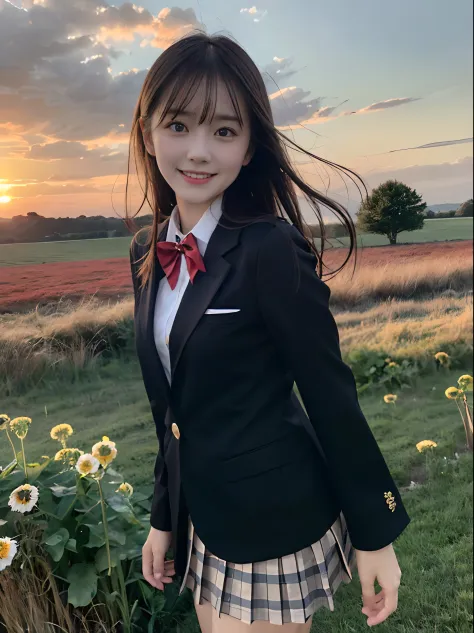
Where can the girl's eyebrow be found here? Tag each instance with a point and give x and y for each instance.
(218, 116)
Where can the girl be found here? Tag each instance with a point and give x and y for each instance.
(267, 508)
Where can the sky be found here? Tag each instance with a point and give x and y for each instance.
(384, 89)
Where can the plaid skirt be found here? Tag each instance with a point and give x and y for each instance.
(286, 589)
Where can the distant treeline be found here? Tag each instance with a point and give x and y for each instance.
(33, 227)
(36, 228)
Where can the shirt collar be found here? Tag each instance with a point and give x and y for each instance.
(202, 231)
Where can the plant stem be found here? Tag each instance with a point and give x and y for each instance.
(466, 428)
(469, 423)
(12, 445)
(106, 531)
(24, 458)
(123, 591)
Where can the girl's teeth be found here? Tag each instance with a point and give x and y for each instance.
(197, 176)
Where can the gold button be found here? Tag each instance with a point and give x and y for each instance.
(175, 430)
(167, 340)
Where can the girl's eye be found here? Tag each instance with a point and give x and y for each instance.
(177, 127)
(222, 132)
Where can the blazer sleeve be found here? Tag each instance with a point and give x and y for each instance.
(294, 303)
(160, 517)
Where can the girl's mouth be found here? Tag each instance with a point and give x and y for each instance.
(196, 177)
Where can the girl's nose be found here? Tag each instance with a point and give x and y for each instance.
(198, 149)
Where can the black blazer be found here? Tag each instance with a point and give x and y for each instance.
(259, 477)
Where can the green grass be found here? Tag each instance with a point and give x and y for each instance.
(445, 229)
(434, 552)
(81, 250)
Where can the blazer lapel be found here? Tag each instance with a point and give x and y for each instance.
(199, 294)
(147, 317)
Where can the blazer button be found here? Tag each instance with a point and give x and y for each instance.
(167, 340)
(175, 430)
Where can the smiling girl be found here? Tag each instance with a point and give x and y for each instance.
(267, 506)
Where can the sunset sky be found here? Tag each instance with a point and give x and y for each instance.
(382, 88)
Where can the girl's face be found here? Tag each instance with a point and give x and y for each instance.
(199, 161)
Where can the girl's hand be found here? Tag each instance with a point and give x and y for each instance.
(156, 570)
(380, 565)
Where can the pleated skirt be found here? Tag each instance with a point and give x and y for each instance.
(286, 589)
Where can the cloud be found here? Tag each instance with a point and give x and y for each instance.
(289, 106)
(256, 14)
(56, 78)
(277, 71)
(293, 119)
(159, 32)
(433, 145)
(292, 108)
(56, 151)
(43, 189)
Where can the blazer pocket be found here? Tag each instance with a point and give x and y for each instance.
(222, 311)
(216, 318)
(291, 448)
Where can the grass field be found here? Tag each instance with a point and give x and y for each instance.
(381, 272)
(405, 302)
(81, 250)
(434, 552)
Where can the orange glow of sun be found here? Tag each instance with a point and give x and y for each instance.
(5, 199)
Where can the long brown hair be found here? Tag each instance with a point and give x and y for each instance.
(267, 185)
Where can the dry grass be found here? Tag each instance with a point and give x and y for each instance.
(409, 329)
(42, 608)
(407, 278)
(60, 336)
(408, 302)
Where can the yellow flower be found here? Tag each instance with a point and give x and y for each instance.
(4, 421)
(70, 455)
(388, 360)
(87, 464)
(104, 451)
(126, 489)
(19, 426)
(452, 393)
(442, 358)
(61, 432)
(8, 550)
(465, 382)
(424, 444)
(23, 498)
(393, 364)
(390, 398)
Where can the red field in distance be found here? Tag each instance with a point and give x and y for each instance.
(23, 287)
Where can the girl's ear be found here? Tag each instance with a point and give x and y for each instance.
(248, 156)
(147, 137)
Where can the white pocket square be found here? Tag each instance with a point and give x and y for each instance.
(221, 310)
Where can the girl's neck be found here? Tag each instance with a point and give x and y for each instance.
(190, 214)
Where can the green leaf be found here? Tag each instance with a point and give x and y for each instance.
(55, 544)
(82, 536)
(35, 470)
(8, 469)
(63, 491)
(71, 545)
(101, 561)
(83, 584)
(122, 506)
(65, 507)
(96, 535)
(117, 537)
(113, 475)
(118, 503)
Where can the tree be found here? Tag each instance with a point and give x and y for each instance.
(465, 210)
(391, 208)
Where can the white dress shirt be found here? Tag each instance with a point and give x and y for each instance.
(168, 300)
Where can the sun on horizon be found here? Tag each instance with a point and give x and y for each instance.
(5, 199)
